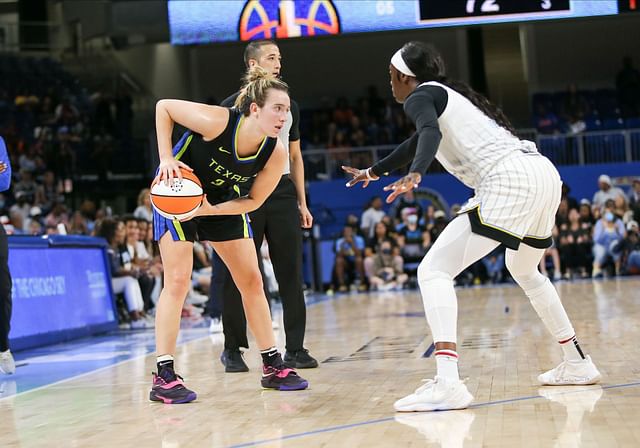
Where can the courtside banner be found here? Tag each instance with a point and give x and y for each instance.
(58, 292)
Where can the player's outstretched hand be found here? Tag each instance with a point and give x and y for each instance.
(365, 176)
(402, 185)
(170, 169)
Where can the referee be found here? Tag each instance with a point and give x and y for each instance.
(279, 219)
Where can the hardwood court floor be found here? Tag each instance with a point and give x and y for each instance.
(371, 347)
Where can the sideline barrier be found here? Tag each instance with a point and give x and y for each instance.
(61, 289)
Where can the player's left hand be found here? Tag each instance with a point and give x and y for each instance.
(402, 185)
(359, 176)
(306, 218)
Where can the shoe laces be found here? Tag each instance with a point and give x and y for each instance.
(431, 383)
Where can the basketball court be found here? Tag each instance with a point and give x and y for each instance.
(374, 348)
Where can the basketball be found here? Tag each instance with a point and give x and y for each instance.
(180, 200)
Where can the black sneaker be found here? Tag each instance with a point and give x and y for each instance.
(169, 388)
(278, 376)
(232, 361)
(300, 359)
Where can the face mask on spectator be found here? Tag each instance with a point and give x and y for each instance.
(412, 219)
(386, 251)
(609, 216)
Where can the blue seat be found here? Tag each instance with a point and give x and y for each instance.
(613, 123)
(632, 123)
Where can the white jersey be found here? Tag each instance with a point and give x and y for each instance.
(284, 138)
(472, 143)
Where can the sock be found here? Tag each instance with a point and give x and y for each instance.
(447, 364)
(164, 362)
(571, 349)
(269, 356)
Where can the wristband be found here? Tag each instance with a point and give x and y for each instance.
(368, 174)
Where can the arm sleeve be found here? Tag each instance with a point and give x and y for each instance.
(5, 177)
(420, 107)
(229, 101)
(400, 157)
(294, 132)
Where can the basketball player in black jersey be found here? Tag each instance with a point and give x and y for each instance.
(279, 220)
(228, 147)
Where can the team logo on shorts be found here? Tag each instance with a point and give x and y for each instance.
(269, 19)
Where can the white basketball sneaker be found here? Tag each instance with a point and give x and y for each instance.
(580, 373)
(7, 364)
(438, 394)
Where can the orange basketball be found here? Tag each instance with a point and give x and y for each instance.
(180, 200)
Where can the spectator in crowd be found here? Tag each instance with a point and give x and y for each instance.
(78, 224)
(494, 264)
(574, 246)
(608, 231)
(634, 199)
(408, 200)
(553, 254)
(586, 216)
(546, 121)
(575, 108)
(387, 270)
(48, 193)
(629, 250)
(620, 208)
(124, 277)
(628, 86)
(414, 241)
(143, 210)
(381, 234)
(372, 216)
(606, 191)
(58, 215)
(137, 255)
(439, 223)
(349, 251)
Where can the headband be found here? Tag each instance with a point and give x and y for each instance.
(400, 65)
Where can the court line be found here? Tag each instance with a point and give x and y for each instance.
(390, 419)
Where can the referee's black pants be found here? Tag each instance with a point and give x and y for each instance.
(5, 291)
(279, 221)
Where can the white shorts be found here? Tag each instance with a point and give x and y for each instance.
(517, 201)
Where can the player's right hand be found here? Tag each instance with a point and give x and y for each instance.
(358, 176)
(170, 169)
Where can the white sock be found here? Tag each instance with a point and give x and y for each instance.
(447, 364)
(571, 349)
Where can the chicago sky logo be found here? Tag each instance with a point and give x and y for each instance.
(270, 19)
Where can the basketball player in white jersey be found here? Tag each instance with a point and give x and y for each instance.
(517, 193)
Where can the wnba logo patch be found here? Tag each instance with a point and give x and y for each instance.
(269, 19)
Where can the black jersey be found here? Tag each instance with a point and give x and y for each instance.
(217, 164)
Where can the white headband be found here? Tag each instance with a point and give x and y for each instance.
(399, 64)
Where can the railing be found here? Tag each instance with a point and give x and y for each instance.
(562, 149)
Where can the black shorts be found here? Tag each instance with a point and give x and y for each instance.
(204, 228)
